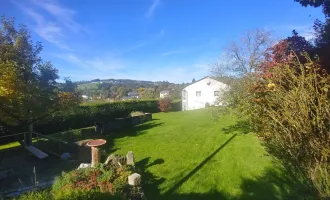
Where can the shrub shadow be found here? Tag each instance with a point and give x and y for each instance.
(242, 127)
(272, 185)
(150, 182)
(276, 185)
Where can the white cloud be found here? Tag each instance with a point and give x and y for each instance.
(170, 52)
(144, 43)
(308, 35)
(93, 64)
(64, 15)
(135, 47)
(172, 74)
(306, 31)
(54, 28)
(49, 31)
(152, 8)
(111, 67)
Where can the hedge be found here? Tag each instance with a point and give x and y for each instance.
(87, 114)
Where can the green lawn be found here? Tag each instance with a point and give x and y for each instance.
(187, 155)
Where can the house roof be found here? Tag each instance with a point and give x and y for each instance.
(132, 93)
(164, 91)
(201, 80)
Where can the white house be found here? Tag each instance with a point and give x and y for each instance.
(203, 92)
(85, 97)
(164, 93)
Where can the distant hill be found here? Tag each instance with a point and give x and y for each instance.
(93, 84)
(117, 88)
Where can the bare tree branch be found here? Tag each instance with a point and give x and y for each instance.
(245, 56)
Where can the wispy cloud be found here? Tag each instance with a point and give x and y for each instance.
(175, 74)
(54, 28)
(152, 8)
(151, 39)
(113, 67)
(49, 31)
(135, 47)
(64, 15)
(171, 52)
(306, 31)
(96, 63)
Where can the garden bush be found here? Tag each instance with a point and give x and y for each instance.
(40, 195)
(288, 105)
(293, 106)
(165, 104)
(87, 114)
(102, 182)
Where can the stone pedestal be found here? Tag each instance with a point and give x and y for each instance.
(134, 179)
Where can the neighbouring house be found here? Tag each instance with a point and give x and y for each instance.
(85, 97)
(164, 93)
(206, 91)
(133, 95)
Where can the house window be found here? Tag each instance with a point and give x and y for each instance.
(216, 93)
(198, 93)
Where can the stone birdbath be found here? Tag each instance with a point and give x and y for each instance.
(95, 146)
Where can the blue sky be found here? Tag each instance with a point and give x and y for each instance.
(173, 40)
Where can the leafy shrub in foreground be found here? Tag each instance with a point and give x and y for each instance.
(41, 195)
(289, 105)
(102, 182)
(102, 178)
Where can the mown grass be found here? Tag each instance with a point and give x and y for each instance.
(187, 155)
(13, 145)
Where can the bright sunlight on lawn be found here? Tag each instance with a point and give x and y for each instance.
(187, 155)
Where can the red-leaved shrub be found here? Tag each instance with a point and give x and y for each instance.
(165, 104)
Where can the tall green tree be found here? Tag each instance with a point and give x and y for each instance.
(322, 31)
(317, 3)
(28, 88)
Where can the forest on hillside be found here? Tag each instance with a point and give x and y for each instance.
(119, 88)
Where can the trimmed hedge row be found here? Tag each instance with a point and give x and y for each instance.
(87, 114)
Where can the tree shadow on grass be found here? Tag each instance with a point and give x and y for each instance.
(197, 168)
(53, 165)
(137, 130)
(242, 127)
(150, 182)
(128, 132)
(90, 133)
(274, 183)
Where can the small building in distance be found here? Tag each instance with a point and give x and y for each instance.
(164, 93)
(206, 91)
(85, 97)
(133, 95)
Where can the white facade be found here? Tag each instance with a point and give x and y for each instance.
(85, 97)
(203, 92)
(164, 94)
